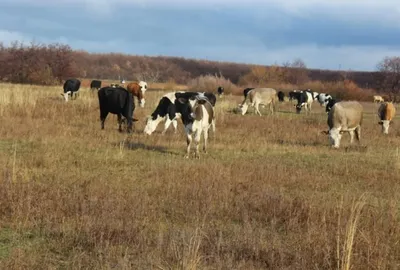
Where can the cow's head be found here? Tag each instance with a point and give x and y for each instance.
(298, 107)
(335, 135)
(143, 86)
(385, 126)
(66, 95)
(151, 124)
(242, 108)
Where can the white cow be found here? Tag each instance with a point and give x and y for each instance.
(345, 116)
(257, 96)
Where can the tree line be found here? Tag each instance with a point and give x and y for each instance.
(52, 63)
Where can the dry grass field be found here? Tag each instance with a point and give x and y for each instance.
(270, 194)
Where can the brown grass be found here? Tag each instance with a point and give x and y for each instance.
(270, 194)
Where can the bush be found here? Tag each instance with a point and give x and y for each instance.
(211, 83)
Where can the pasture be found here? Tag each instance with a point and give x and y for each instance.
(270, 193)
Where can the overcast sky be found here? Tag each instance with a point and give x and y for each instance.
(327, 34)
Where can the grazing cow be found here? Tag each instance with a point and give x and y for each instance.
(138, 89)
(95, 84)
(304, 99)
(323, 99)
(281, 96)
(71, 87)
(119, 101)
(386, 113)
(246, 91)
(197, 115)
(314, 95)
(378, 99)
(166, 110)
(345, 116)
(220, 91)
(330, 103)
(293, 95)
(257, 96)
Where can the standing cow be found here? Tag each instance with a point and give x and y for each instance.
(71, 87)
(166, 110)
(345, 116)
(386, 113)
(257, 96)
(119, 101)
(197, 115)
(95, 84)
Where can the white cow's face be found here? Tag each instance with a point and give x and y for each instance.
(151, 124)
(243, 108)
(385, 126)
(143, 86)
(66, 95)
(334, 137)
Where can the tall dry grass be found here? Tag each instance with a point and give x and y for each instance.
(270, 194)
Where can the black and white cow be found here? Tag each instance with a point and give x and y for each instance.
(71, 87)
(281, 96)
(119, 101)
(95, 84)
(330, 103)
(220, 91)
(197, 113)
(323, 99)
(166, 110)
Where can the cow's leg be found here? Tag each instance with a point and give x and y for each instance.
(358, 133)
(197, 138)
(256, 109)
(213, 125)
(205, 140)
(189, 142)
(103, 116)
(175, 125)
(119, 122)
(351, 136)
(129, 124)
(166, 125)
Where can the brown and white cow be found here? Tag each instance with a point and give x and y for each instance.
(138, 89)
(386, 113)
(257, 96)
(345, 116)
(378, 99)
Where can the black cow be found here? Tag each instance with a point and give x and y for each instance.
(220, 91)
(166, 109)
(71, 87)
(95, 84)
(331, 101)
(246, 91)
(281, 96)
(116, 100)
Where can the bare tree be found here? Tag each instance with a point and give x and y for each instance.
(389, 76)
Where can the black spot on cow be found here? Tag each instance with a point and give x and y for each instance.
(246, 91)
(329, 105)
(116, 100)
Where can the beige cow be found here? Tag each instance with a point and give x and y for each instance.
(386, 113)
(345, 116)
(378, 99)
(257, 96)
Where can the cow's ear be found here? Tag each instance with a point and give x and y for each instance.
(182, 100)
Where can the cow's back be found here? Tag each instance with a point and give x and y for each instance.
(115, 100)
(263, 94)
(347, 114)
